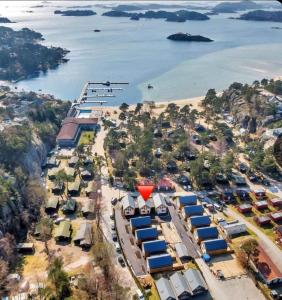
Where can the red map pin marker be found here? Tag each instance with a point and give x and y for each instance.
(145, 191)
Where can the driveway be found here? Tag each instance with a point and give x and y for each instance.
(269, 247)
(242, 288)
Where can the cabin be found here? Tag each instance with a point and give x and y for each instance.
(198, 221)
(262, 220)
(196, 282)
(144, 206)
(52, 162)
(140, 222)
(182, 251)
(259, 193)
(160, 204)
(128, 205)
(205, 233)
(214, 247)
(89, 189)
(63, 231)
(165, 289)
(52, 206)
(153, 247)
(74, 187)
(86, 175)
(189, 199)
(84, 236)
(69, 207)
(261, 205)
(72, 162)
(57, 188)
(70, 172)
(192, 210)
(25, 248)
(179, 286)
(233, 228)
(161, 262)
(47, 230)
(146, 234)
(276, 216)
(242, 194)
(88, 208)
(275, 202)
(245, 208)
(53, 173)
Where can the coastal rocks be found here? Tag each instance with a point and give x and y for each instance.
(262, 15)
(185, 37)
(75, 13)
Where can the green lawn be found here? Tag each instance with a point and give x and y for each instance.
(87, 138)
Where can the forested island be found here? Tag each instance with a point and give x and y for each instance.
(262, 15)
(75, 13)
(186, 37)
(232, 7)
(177, 16)
(22, 56)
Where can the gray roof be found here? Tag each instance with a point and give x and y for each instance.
(195, 280)
(128, 201)
(88, 206)
(165, 289)
(179, 284)
(181, 250)
(141, 202)
(158, 200)
(73, 160)
(84, 234)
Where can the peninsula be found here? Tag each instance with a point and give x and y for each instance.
(22, 56)
(186, 37)
(5, 20)
(262, 15)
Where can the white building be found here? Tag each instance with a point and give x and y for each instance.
(160, 204)
(233, 228)
(144, 206)
(128, 205)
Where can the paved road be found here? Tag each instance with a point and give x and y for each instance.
(192, 248)
(232, 289)
(270, 248)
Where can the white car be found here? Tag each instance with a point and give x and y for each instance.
(140, 295)
(117, 246)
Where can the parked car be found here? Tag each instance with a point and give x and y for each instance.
(112, 216)
(221, 178)
(121, 261)
(114, 201)
(196, 139)
(200, 128)
(243, 168)
(117, 246)
(113, 226)
(59, 220)
(114, 236)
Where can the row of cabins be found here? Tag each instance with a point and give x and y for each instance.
(130, 205)
(260, 205)
(181, 285)
(153, 250)
(199, 224)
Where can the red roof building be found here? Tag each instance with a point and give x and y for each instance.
(71, 128)
(245, 208)
(261, 205)
(276, 202)
(276, 216)
(262, 220)
(259, 193)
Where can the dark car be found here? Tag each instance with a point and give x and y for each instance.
(252, 177)
(196, 139)
(243, 168)
(227, 196)
(221, 178)
(114, 236)
(121, 261)
(242, 194)
(200, 128)
(114, 201)
(171, 166)
(212, 137)
(183, 180)
(190, 155)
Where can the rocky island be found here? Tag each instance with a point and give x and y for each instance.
(177, 16)
(22, 56)
(5, 20)
(232, 7)
(262, 15)
(186, 37)
(75, 13)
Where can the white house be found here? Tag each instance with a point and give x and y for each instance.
(160, 204)
(144, 206)
(128, 205)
